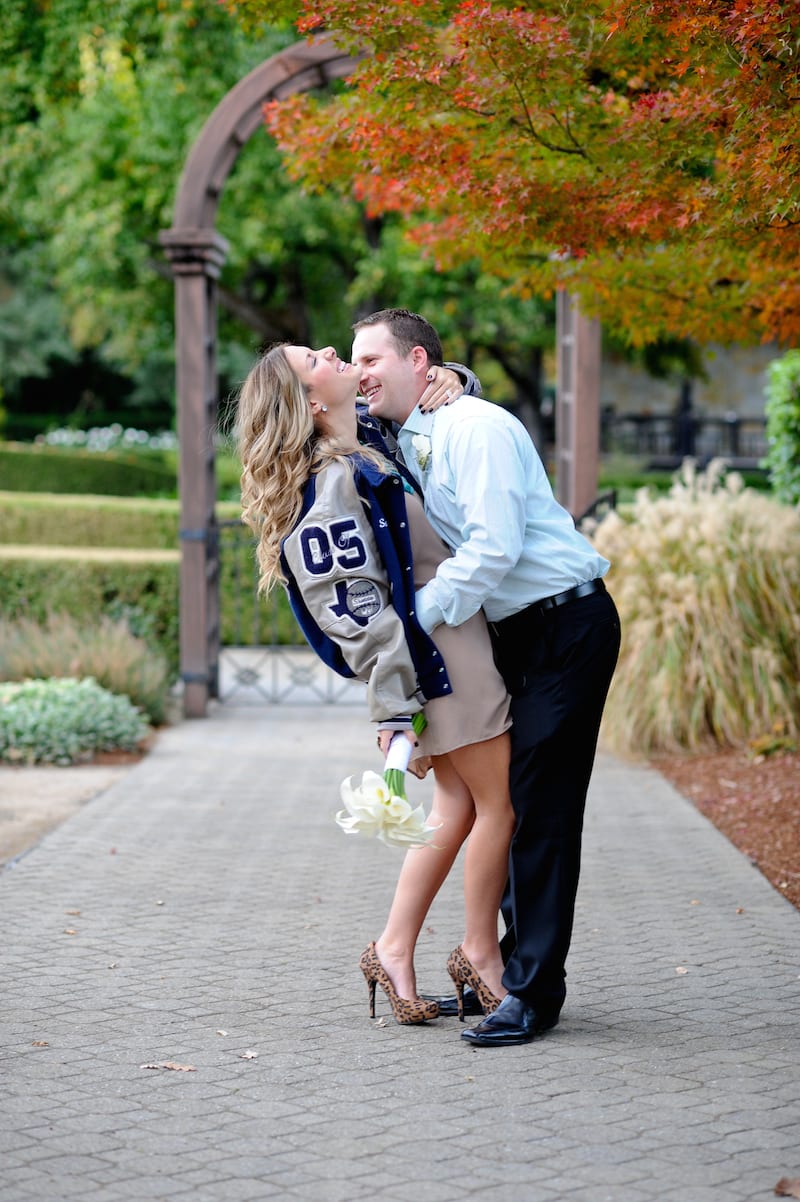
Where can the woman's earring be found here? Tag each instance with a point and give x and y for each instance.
(324, 408)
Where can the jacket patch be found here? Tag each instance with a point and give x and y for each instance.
(359, 600)
(334, 544)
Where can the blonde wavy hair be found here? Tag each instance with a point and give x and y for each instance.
(279, 449)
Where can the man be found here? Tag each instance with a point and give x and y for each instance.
(554, 628)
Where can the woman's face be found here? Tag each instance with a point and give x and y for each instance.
(327, 378)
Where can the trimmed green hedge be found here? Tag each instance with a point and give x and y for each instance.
(141, 586)
(47, 519)
(114, 473)
(133, 472)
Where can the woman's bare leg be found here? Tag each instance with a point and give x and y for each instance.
(471, 797)
(484, 769)
(422, 875)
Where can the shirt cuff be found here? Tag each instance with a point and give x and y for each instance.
(429, 615)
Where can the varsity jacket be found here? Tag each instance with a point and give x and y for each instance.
(349, 578)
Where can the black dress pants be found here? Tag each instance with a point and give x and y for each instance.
(557, 666)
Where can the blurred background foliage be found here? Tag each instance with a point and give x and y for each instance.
(101, 104)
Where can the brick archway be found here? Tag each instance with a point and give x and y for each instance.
(196, 252)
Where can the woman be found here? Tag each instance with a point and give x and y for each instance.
(336, 524)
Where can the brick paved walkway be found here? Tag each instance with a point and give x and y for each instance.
(207, 911)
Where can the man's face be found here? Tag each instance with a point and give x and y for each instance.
(390, 382)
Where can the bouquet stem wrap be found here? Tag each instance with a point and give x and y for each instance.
(396, 764)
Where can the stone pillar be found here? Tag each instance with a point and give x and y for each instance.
(577, 405)
(196, 257)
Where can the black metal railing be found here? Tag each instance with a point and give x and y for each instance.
(674, 437)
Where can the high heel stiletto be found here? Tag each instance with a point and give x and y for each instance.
(463, 973)
(405, 1010)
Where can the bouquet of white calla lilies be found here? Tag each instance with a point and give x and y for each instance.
(379, 807)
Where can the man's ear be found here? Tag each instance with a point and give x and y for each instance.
(419, 358)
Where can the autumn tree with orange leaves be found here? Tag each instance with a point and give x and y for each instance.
(645, 154)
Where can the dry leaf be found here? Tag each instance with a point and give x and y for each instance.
(788, 1187)
(72, 913)
(222, 1032)
(170, 1064)
(70, 931)
(40, 1043)
(248, 1055)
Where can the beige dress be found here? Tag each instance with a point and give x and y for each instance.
(477, 709)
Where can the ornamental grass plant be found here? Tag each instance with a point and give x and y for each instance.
(105, 650)
(707, 582)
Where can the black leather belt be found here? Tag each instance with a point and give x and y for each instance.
(548, 603)
(570, 594)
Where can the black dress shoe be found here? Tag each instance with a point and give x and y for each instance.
(448, 1006)
(514, 1021)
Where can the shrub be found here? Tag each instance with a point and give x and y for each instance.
(109, 438)
(142, 587)
(783, 427)
(36, 582)
(105, 650)
(61, 721)
(707, 581)
(51, 519)
(116, 473)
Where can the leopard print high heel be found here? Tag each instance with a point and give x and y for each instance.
(405, 1010)
(464, 973)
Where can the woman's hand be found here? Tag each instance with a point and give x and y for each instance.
(444, 387)
(385, 737)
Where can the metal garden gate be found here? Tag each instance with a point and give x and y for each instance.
(263, 657)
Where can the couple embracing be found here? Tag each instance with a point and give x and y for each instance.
(487, 613)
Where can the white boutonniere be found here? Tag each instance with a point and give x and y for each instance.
(422, 450)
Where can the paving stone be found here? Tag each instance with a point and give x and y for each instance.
(216, 894)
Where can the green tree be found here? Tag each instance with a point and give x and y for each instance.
(103, 103)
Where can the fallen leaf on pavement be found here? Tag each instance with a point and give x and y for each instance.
(788, 1187)
(178, 1068)
(40, 1043)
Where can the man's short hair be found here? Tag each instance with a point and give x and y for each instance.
(408, 330)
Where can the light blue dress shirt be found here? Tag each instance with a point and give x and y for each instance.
(488, 497)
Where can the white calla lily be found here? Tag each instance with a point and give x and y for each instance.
(373, 809)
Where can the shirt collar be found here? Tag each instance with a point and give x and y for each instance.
(417, 422)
